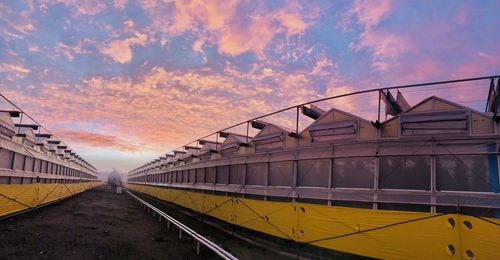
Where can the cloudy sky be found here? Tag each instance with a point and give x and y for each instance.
(122, 82)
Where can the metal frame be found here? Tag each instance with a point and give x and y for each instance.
(297, 107)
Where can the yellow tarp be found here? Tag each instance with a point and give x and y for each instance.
(18, 197)
(375, 233)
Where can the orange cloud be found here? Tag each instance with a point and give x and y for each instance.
(83, 137)
(13, 68)
(255, 38)
(161, 109)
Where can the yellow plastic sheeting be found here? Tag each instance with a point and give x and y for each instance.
(374, 233)
(18, 197)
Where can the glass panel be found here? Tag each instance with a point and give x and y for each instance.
(353, 172)
(29, 164)
(49, 167)
(281, 173)
(192, 175)
(38, 165)
(44, 166)
(200, 175)
(19, 161)
(178, 179)
(185, 176)
(15, 180)
(6, 158)
(464, 173)
(173, 176)
(313, 173)
(236, 175)
(256, 174)
(223, 174)
(405, 172)
(210, 175)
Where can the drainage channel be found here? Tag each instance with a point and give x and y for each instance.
(183, 229)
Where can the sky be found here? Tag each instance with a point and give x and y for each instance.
(122, 82)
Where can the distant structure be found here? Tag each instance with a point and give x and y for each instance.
(422, 184)
(114, 179)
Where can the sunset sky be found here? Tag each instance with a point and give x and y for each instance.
(122, 82)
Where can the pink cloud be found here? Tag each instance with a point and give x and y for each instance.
(370, 12)
(218, 23)
(385, 45)
(19, 24)
(212, 14)
(255, 37)
(120, 4)
(80, 7)
(121, 50)
(70, 51)
(477, 65)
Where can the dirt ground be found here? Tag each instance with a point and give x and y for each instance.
(92, 225)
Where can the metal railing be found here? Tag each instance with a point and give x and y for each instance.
(200, 240)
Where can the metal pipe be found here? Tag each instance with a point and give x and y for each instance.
(297, 125)
(183, 228)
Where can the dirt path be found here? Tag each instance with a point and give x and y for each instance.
(92, 225)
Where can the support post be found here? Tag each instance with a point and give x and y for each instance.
(248, 129)
(492, 88)
(376, 178)
(379, 97)
(433, 178)
(295, 178)
(330, 181)
(297, 125)
(20, 122)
